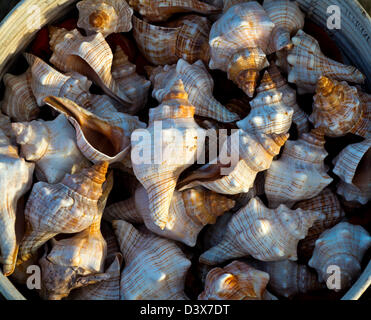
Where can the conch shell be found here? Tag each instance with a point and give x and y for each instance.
(15, 181)
(309, 64)
(238, 41)
(97, 139)
(330, 214)
(337, 109)
(300, 173)
(189, 212)
(342, 246)
(269, 114)
(161, 10)
(197, 83)
(51, 146)
(73, 52)
(19, 102)
(352, 166)
(236, 281)
(106, 17)
(172, 141)
(288, 19)
(67, 207)
(256, 153)
(288, 278)
(155, 268)
(133, 85)
(266, 234)
(186, 38)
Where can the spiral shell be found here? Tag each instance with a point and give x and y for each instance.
(106, 17)
(258, 231)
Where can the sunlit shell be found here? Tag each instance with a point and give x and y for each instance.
(185, 38)
(161, 10)
(155, 268)
(15, 181)
(106, 17)
(341, 247)
(300, 173)
(19, 102)
(266, 234)
(288, 19)
(309, 64)
(197, 83)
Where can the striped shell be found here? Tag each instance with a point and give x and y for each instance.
(266, 234)
(155, 268)
(309, 64)
(46, 143)
(288, 278)
(269, 114)
(172, 136)
(343, 246)
(97, 139)
(185, 38)
(330, 213)
(189, 212)
(69, 206)
(288, 19)
(161, 10)
(238, 41)
(133, 85)
(236, 281)
(15, 181)
(106, 17)
(338, 110)
(255, 154)
(90, 56)
(197, 83)
(300, 173)
(19, 102)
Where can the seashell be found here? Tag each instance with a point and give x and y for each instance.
(162, 10)
(238, 41)
(97, 139)
(288, 278)
(46, 81)
(51, 146)
(104, 290)
(281, 61)
(15, 181)
(236, 281)
(330, 213)
(256, 153)
(186, 38)
(309, 64)
(300, 173)
(288, 97)
(175, 137)
(288, 19)
(106, 17)
(351, 165)
(230, 3)
(155, 268)
(72, 262)
(69, 206)
(134, 86)
(337, 109)
(19, 102)
(72, 52)
(189, 212)
(197, 83)
(214, 233)
(266, 234)
(269, 114)
(343, 246)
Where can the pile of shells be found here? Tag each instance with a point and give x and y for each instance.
(274, 208)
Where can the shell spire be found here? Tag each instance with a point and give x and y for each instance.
(258, 231)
